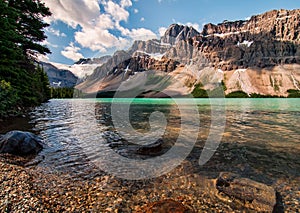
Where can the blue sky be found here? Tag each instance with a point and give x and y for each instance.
(93, 28)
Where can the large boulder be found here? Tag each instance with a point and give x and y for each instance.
(20, 143)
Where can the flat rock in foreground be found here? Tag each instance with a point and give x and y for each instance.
(252, 194)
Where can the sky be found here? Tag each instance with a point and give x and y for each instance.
(94, 28)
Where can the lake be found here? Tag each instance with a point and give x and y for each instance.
(255, 138)
(73, 128)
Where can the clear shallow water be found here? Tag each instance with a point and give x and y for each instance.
(261, 136)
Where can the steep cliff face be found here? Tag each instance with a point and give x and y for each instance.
(259, 55)
(265, 40)
(176, 33)
(59, 77)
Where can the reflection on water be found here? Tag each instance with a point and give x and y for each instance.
(261, 135)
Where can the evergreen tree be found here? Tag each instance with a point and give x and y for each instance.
(30, 25)
(20, 35)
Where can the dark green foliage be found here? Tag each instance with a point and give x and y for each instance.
(217, 92)
(62, 93)
(237, 94)
(293, 93)
(23, 83)
(8, 97)
(78, 94)
(198, 92)
(223, 85)
(30, 25)
(106, 94)
(255, 95)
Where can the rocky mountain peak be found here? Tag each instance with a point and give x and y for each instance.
(259, 55)
(100, 60)
(149, 47)
(176, 33)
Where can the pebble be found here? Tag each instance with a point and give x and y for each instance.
(35, 190)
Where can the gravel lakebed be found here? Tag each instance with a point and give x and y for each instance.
(37, 189)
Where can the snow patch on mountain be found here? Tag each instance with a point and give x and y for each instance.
(245, 43)
(157, 56)
(80, 70)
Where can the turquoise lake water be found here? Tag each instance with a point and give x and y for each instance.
(249, 136)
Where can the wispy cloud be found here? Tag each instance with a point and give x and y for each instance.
(72, 52)
(125, 3)
(47, 43)
(55, 32)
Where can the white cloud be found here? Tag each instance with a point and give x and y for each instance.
(95, 25)
(47, 43)
(142, 34)
(116, 11)
(125, 3)
(72, 12)
(96, 39)
(137, 34)
(72, 52)
(55, 32)
(162, 31)
(142, 19)
(104, 21)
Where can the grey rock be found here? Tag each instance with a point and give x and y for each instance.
(176, 33)
(151, 148)
(100, 60)
(274, 39)
(58, 77)
(20, 143)
(254, 195)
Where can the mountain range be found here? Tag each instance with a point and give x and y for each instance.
(257, 56)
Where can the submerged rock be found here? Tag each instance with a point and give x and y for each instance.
(138, 151)
(151, 148)
(167, 206)
(252, 194)
(20, 143)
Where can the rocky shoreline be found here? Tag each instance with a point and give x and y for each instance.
(35, 189)
(238, 178)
